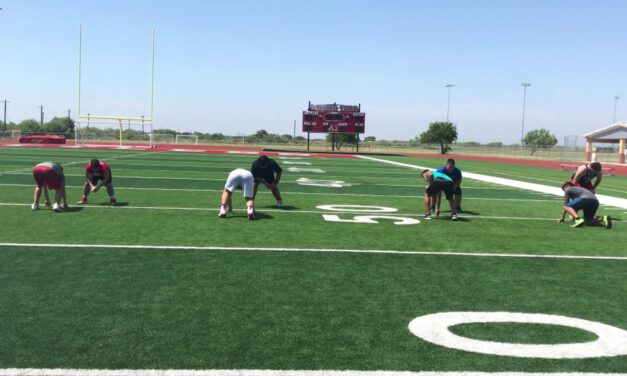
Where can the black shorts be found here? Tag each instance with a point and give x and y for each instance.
(94, 180)
(439, 185)
(268, 179)
(588, 205)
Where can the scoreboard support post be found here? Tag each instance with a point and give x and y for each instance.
(308, 134)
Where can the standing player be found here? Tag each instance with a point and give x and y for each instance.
(584, 175)
(438, 182)
(578, 198)
(49, 175)
(456, 175)
(238, 178)
(98, 174)
(264, 170)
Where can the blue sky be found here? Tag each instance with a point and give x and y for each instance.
(239, 66)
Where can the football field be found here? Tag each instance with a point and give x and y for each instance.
(330, 282)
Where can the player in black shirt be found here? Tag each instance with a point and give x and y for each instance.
(268, 172)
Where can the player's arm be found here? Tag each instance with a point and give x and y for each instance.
(46, 196)
(278, 177)
(597, 181)
(106, 178)
(564, 211)
(88, 177)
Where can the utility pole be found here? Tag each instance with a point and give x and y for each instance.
(68, 114)
(616, 98)
(41, 113)
(525, 85)
(5, 114)
(294, 136)
(448, 106)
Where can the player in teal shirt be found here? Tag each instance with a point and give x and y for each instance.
(438, 182)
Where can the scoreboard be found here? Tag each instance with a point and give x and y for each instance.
(334, 118)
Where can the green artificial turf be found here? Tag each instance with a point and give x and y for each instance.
(113, 308)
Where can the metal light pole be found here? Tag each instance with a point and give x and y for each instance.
(5, 114)
(616, 98)
(41, 113)
(522, 132)
(448, 105)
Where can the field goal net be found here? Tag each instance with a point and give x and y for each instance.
(188, 139)
(13, 134)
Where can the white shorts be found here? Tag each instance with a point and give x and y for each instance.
(240, 178)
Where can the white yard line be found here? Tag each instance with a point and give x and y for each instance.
(268, 210)
(556, 191)
(315, 250)
(267, 372)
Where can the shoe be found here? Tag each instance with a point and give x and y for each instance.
(112, 202)
(35, 206)
(251, 214)
(607, 221)
(427, 217)
(222, 213)
(578, 223)
(454, 217)
(279, 204)
(56, 207)
(83, 200)
(437, 213)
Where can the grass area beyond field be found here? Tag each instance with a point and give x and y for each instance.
(293, 290)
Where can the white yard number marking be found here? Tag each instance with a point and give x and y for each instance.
(322, 183)
(301, 169)
(611, 341)
(371, 219)
(365, 218)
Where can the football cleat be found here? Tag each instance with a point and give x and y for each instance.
(607, 221)
(578, 223)
(222, 213)
(427, 217)
(279, 204)
(251, 214)
(35, 206)
(83, 200)
(112, 202)
(454, 217)
(56, 207)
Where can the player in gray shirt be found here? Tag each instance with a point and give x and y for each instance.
(578, 198)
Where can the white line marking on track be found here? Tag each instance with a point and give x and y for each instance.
(267, 372)
(606, 200)
(320, 250)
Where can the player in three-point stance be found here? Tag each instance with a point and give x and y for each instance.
(238, 178)
(98, 174)
(264, 170)
(49, 175)
(438, 182)
(578, 198)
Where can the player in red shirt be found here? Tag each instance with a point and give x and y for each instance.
(98, 174)
(49, 175)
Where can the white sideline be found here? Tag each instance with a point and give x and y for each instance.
(320, 250)
(267, 372)
(556, 191)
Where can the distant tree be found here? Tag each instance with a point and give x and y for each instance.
(539, 139)
(495, 144)
(29, 126)
(261, 134)
(342, 139)
(440, 132)
(370, 139)
(63, 125)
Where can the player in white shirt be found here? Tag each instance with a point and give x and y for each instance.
(238, 178)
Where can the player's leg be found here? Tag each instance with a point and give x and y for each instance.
(589, 212)
(46, 196)
(448, 192)
(247, 191)
(458, 199)
(36, 196)
(255, 187)
(427, 203)
(438, 199)
(111, 193)
(274, 188)
(572, 207)
(225, 202)
(86, 190)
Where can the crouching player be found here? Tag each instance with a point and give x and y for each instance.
(98, 174)
(49, 175)
(438, 182)
(578, 198)
(238, 178)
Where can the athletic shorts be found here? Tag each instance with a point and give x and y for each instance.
(94, 180)
(439, 185)
(240, 178)
(267, 178)
(45, 175)
(588, 205)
